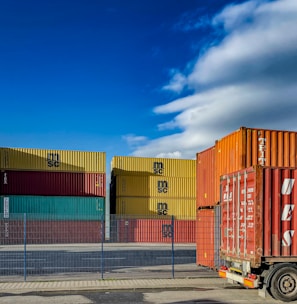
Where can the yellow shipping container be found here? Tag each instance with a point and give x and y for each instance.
(129, 165)
(157, 186)
(52, 160)
(148, 206)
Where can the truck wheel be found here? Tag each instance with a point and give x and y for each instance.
(284, 284)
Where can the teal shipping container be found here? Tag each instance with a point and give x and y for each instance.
(53, 207)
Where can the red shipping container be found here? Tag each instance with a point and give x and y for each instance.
(205, 237)
(258, 222)
(205, 175)
(49, 232)
(52, 183)
(156, 230)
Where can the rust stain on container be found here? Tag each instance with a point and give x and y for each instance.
(258, 206)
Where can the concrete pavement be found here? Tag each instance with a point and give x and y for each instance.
(109, 284)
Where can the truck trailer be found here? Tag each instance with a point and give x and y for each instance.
(258, 244)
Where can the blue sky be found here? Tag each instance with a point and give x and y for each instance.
(154, 78)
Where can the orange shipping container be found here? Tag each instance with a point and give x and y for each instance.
(154, 186)
(129, 165)
(248, 147)
(205, 237)
(205, 177)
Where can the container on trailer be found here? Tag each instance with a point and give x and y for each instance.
(154, 186)
(52, 183)
(205, 166)
(129, 165)
(52, 160)
(53, 207)
(180, 208)
(247, 147)
(258, 222)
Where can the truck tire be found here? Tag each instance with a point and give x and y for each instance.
(284, 284)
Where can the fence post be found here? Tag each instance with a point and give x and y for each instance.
(25, 247)
(102, 247)
(172, 244)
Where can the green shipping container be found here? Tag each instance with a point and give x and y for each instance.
(53, 207)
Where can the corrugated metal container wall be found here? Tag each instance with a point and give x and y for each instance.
(155, 186)
(49, 232)
(52, 183)
(54, 207)
(156, 230)
(52, 160)
(205, 237)
(262, 200)
(129, 165)
(179, 207)
(205, 177)
(248, 147)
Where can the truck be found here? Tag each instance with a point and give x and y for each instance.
(258, 244)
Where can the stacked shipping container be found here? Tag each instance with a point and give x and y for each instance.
(154, 187)
(67, 187)
(238, 150)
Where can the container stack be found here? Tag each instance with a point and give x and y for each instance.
(153, 190)
(238, 150)
(61, 193)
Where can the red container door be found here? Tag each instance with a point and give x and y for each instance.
(258, 206)
(241, 205)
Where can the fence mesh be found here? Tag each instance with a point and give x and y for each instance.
(35, 247)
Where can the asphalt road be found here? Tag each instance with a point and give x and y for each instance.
(208, 295)
(41, 260)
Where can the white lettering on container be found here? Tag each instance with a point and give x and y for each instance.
(287, 212)
(287, 186)
(287, 238)
(262, 149)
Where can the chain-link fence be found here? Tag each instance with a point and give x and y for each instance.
(34, 247)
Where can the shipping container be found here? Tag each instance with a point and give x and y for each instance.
(52, 160)
(180, 208)
(208, 238)
(52, 183)
(205, 237)
(156, 230)
(129, 165)
(12, 231)
(154, 186)
(258, 239)
(247, 147)
(54, 207)
(205, 177)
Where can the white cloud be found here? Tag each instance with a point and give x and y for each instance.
(132, 139)
(248, 79)
(177, 82)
